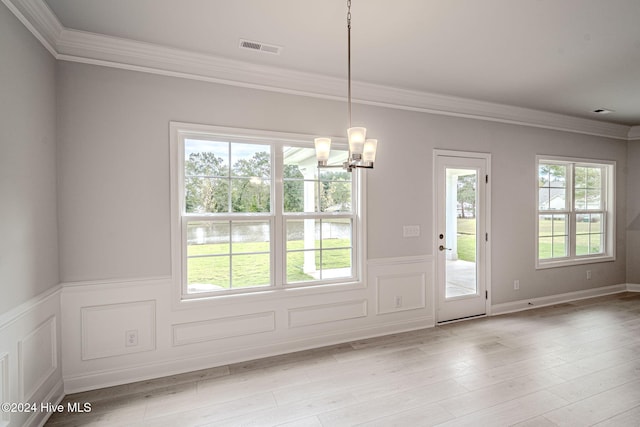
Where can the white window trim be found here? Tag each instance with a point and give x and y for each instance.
(609, 212)
(177, 131)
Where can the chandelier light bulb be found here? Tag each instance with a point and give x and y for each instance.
(323, 148)
(369, 151)
(357, 137)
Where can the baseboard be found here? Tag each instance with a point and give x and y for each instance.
(54, 397)
(113, 377)
(633, 287)
(527, 304)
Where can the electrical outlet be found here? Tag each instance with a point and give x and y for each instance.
(131, 338)
(516, 285)
(588, 274)
(398, 301)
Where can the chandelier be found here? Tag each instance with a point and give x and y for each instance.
(362, 151)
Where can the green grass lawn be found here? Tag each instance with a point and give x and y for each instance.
(467, 239)
(211, 263)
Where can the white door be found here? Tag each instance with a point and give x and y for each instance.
(461, 241)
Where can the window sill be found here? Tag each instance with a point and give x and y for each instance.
(571, 262)
(267, 295)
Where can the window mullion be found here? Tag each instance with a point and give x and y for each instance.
(278, 234)
(572, 210)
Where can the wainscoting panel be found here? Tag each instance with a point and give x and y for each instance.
(227, 327)
(401, 292)
(403, 285)
(4, 386)
(118, 329)
(37, 358)
(326, 313)
(30, 360)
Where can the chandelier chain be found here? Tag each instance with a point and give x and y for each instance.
(349, 56)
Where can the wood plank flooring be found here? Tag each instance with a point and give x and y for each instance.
(575, 364)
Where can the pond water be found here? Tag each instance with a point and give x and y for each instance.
(209, 232)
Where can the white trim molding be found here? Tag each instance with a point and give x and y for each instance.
(634, 133)
(91, 48)
(527, 304)
(633, 287)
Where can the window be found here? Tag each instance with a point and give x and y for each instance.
(253, 212)
(575, 211)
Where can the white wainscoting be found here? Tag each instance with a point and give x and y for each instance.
(204, 335)
(227, 327)
(37, 358)
(4, 387)
(105, 329)
(30, 368)
(326, 313)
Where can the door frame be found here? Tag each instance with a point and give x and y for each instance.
(487, 214)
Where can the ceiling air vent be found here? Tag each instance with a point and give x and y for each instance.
(260, 47)
(602, 111)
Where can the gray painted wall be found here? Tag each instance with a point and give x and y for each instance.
(114, 174)
(28, 219)
(633, 213)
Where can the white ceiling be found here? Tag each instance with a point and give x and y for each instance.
(561, 56)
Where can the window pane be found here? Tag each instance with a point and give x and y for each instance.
(594, 177)
(251, 195)
(589, 232)
(560, 245)
(300, 176)
(250, 236)
(303, 234)
(207, 238)
(308, 188)
(251, 161)
(550, 175)
(251, 270)
(335, 196)
(206, 195)
(580, 201)
(588, 185)
(206, 274)
(545, 225)
(552, 180)
(544, 196)
(560, 226)
(336, 263)
(206, 158)
(296, 266)
(595, 244)
(318, 249)
(336, 233)
(300, 196)
(582, 244)
(594, 200)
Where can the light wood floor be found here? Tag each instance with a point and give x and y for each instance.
(575, 364)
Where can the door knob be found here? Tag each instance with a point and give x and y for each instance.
(442, 248)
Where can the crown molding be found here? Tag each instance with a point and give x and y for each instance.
(90, 48)
(634, 133)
